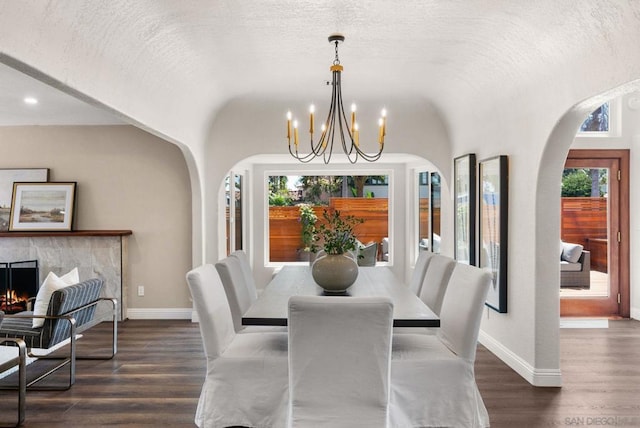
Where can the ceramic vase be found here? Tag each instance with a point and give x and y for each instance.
(335, 273)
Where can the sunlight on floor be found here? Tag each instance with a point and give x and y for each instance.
(599, 287)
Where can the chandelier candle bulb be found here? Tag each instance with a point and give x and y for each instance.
(295, 133)
(381, 131)
(353, 116)
(384, 122)
(289, 126)
(312, 109)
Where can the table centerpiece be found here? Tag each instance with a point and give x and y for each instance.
(336, 268)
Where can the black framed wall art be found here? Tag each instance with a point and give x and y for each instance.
(493, 191)
(464, 191)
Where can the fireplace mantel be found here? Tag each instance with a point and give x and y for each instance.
(96, 253)
(23, 234)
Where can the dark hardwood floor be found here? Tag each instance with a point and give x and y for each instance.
(155, 380)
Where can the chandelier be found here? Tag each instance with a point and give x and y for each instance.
(347, 131)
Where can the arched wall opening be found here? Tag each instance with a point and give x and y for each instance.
(562, 138)
(402, 170)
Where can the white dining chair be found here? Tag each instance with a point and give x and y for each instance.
(415, 284)
(247, 374)
(432, 376)
(240, 294)
(245, 265)
(339, 359)
(435, 281)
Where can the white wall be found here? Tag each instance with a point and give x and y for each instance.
(127, 179)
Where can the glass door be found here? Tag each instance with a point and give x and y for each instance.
(589, 232)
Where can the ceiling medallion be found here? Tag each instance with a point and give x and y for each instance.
(336, 123)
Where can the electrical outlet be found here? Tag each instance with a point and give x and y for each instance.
(140, 290)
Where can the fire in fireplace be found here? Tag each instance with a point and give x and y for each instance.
(18, 283)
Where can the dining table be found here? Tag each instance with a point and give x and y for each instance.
(271, 307)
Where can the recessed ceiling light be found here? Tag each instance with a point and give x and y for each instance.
(30, 100)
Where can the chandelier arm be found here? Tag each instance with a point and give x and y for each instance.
(302, 158)
(342, 117)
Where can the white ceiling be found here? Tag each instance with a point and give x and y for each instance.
(54, 107)
(170, 66)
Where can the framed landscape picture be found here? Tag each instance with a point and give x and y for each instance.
(42, 206)
(493, 208)
(464, 191)
(8, 176)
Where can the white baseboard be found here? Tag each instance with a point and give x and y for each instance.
(159, 313)
(536, 377)
(635, 313)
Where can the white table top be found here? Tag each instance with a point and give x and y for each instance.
(272, 305)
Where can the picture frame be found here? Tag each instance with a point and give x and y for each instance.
(42, 206)
(492, 237)
(464, 203)
(8, 176)
(434, 211)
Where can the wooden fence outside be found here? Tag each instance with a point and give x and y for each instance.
(285, 230)
(583, 218)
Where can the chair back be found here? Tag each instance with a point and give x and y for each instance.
(368, 254)
(210, 303)
(415, 285)
(68, 299)
(339, 361)
(247, 272)
(239, 293)
(462, 307)
(436, 278)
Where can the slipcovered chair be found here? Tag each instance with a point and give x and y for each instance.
(239, 293)
(437, 271)
(415, 284)
(18, 361)
(339, 356)
(435, 281)
(432, 376)
(70, 312)
(246, 270)
(247, 374)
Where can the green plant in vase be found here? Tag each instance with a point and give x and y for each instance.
(336, 234)
(336, 271)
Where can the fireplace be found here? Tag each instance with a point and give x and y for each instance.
(18, 283)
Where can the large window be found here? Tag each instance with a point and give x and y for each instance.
(292, 199)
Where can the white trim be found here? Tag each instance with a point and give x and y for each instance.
(160, 313)
(536, 377)
(635, 313)
(584, 322)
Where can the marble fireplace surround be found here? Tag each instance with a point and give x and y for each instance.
(96, 253)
